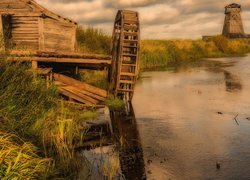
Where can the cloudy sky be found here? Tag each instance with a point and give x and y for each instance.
(160, 19)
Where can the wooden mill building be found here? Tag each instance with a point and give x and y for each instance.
(27, 25)
(34, 34)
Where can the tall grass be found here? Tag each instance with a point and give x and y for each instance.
(92, 40)
(35, 113)
(96, 78)
(20, 160)
(163, 53)
(23, 98)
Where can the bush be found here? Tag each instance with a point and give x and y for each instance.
(114, 103)
(222, 43)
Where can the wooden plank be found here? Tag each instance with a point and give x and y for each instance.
(1, 27)
(94, 96)
(23, 32)
(35, 36)
(16, 40)
(73, 40)
(60, 60)
(53, 54)
(17, 18)
(82, 96)
(81, 91)
(25, 29)
(24, 25)
(73, 96)
(41, 33)
(80, 85)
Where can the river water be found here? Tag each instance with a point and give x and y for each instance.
(188, 123)
(186, 119)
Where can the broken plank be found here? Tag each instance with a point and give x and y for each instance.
(80, 85)
(83, 96)
(73, 96)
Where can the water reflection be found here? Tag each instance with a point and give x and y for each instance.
(128, 142)
(124, 147)
(177, 113)
(232, 82)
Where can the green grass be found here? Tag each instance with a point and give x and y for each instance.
(34, 113)
(115, 103)
(92, 40)
(95, 78)
(20, 160)
(157, 54)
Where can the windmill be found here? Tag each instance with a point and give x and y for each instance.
(233, 26)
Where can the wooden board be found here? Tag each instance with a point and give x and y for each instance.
(60, 60)
(80, 85)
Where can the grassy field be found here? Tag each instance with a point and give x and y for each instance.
(158, 54)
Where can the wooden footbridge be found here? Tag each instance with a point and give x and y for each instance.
(48, 42)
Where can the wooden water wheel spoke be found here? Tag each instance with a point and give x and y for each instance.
(125, 54)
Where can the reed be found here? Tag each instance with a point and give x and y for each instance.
(20, 160)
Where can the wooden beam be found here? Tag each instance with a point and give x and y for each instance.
(52, 54)
(60, 60)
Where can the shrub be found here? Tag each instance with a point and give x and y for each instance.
(222, 43)
(114, 103)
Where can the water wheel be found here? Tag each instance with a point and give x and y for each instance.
(125, 55)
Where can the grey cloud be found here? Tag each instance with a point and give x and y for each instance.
(169, 17)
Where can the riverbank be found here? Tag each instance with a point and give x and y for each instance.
(38, 131)
(158, 54)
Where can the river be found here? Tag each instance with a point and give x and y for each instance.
(189, 123)
(187, 118)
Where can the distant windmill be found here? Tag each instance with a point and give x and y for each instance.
(233, 26)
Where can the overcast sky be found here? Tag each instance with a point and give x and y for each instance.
(162, 19)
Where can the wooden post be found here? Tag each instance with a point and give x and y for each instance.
(34, 65)
(77, 70)
(2, 44)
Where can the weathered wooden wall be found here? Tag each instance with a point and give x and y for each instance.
(35, 28)
(24, 31)
(57, 35)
